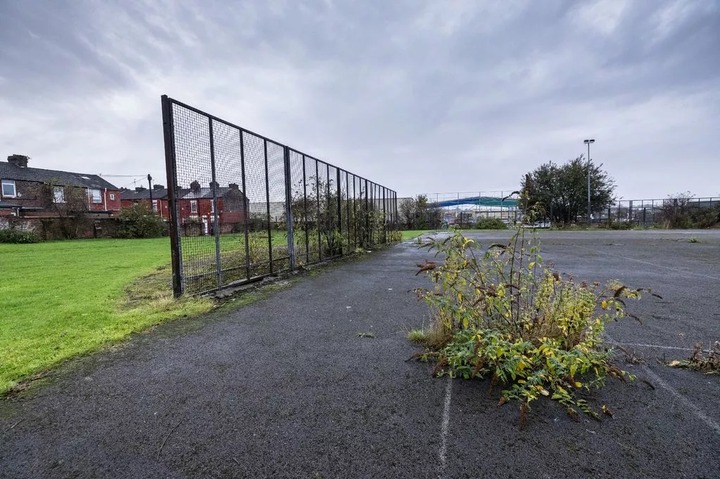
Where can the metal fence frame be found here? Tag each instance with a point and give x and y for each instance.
(653, 212)
(308, 210)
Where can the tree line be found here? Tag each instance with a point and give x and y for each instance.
(559, 193)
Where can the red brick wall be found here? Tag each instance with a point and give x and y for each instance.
(204, 210)
(163, 206)
(107, 202)
(30, 195)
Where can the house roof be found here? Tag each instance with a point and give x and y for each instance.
(144, 194)
(183, 193)
(205, 193)
(10, 171)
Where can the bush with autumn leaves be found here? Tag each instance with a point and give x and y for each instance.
(502, 314)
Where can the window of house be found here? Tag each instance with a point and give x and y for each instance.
(8, 189)
(155, 205)
(96, 196)
(112, 196)
(193, 207)
(212, 207)
(58, 194)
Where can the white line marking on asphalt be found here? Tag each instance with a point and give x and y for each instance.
(445, 427)
(711, 423)
(645, 345)
(686, 402)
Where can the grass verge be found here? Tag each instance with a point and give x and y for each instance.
(64, 299)
(410, 234)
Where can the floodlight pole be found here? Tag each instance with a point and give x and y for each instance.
(589, 214)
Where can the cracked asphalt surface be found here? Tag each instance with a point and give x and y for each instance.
(285, 387)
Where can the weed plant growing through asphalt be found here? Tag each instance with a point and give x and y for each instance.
(502, 314)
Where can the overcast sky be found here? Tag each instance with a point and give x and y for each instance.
(422, 97)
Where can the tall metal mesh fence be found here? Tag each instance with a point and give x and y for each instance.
(681, 212)
(465, 209)
(244, 206)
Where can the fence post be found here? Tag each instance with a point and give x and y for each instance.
(368, 233)
(171, 170)
(288, 209)
(347, 208)
(246, 207)
(339, 205)
(267, 205)
(213, 188)
(609, 216)
(354, 211)
(305, 215)
(395, 215)
(318, 212)
(328, 210)
(385, 220)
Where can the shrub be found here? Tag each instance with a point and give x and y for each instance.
(393, 236)
(507, 317)
(139, 221)
(419, 214)
(490, 224)
(705, 217)
(681, 211)
(621, 225)
(18, 236)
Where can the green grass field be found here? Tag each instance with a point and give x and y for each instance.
(410, 234)
(63, 299)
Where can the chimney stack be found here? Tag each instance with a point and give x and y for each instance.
(21, 161)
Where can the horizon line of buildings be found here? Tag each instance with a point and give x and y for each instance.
(28, 192)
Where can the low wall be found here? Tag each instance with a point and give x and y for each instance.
(57, 228)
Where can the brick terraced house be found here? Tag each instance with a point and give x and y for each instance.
(195, 205)
(37, 192)
(157, 199)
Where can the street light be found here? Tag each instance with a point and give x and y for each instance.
(588, 142)
(150, 186)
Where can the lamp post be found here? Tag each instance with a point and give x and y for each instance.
(588, 142)
(150, 186)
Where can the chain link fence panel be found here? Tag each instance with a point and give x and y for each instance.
(243, 206)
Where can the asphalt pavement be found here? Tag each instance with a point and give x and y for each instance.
(313, 382)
